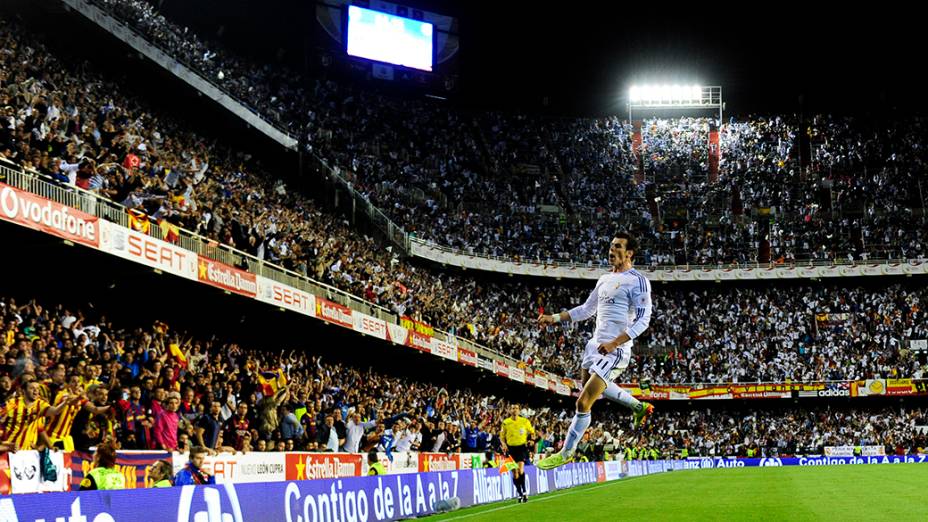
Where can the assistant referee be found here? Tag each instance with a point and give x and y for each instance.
(514, 436)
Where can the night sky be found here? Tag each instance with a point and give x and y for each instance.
(583, 56)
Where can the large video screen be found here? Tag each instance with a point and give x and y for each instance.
(387, 38)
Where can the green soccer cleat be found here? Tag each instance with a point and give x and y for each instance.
(641, 416)
(553, 461)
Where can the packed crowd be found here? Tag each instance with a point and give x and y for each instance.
(765, 433)
(68, 123)
(153, 387)
(546, 189)
(723, 334)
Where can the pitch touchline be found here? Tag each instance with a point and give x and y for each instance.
(545, 498)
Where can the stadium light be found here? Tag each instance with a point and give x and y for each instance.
(675, 96)
(664, 94)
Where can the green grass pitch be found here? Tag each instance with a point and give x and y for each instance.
(896, 492)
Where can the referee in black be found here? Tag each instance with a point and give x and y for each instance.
(515, 438)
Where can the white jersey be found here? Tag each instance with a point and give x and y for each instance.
(621, 302)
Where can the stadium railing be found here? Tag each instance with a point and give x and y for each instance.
(560, 269)
(663, 268)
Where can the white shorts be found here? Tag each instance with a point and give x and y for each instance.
(606, 366)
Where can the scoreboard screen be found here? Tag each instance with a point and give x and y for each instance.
(382, 37)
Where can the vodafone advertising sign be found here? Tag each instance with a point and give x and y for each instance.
(48, 216)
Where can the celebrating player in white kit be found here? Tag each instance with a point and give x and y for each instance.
(621, 303)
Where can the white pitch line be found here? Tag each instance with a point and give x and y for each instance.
(545, 498)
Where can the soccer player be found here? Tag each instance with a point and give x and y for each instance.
(515, 432)
(23, 413)
(621, 302)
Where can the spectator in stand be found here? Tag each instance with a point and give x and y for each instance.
(407, 437)
(452, 442)
(59, 429)
(89, 427)
(238, 427)
(268, 420)
(439, 437)
(330, 438)
(471, 434)
(166, 422)
(355, 432)
(135, 420)
(208, 427)
(23, 416)
(290, 427)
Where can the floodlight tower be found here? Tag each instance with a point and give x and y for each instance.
(670, 97)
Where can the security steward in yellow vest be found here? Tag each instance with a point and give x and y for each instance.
(104, 474)
(374, 467)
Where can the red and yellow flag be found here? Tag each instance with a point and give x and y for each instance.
(177, 354)
(138, 221)
(169, 231)
(271, 381)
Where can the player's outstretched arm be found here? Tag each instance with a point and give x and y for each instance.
(576, 314)
(559, 317)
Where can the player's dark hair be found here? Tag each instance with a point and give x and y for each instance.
(630, 242)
